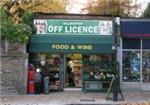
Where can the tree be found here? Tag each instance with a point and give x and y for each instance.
(16, 16)
(16, 8)
(110, 7)
(147, 11)
(14, 32)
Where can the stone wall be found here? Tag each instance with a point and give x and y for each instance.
(14, 67)
(13, 74)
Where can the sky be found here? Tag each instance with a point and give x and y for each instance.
(76, 5)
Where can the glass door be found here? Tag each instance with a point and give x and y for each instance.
(146, 70)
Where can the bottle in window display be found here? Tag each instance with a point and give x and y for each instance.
(91, 75)
(97, 67)
(96, 76)
(108, 75)
(102, 76)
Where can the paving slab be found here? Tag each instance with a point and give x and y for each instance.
(74, 98)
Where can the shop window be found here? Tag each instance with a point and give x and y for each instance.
(131, 66)
(146, 44)
(98, 71)
(131, 43)
(146, 66)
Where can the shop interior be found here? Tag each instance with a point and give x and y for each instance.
(79, 68)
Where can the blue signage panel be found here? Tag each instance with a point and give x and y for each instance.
(135, 28)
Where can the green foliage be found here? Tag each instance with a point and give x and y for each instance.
(7, 24)
(22, 33)
(16, 20)
(15, 32)
(27, 19)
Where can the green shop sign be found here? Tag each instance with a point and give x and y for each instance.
(68, 44)
(73, 27)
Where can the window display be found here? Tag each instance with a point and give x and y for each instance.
(54, 63)
(98, 71)
(146, 66)
(131, 66)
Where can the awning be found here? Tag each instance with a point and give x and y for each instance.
(71, 43)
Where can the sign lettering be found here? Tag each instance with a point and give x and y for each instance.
(73, 27)
(71, 47)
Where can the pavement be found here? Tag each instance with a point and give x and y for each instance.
(76, 97)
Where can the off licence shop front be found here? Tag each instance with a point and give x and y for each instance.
(88, 43)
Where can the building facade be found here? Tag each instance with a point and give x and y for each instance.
(134, 54)
(66, 33)
(98, 46)
(87, 40)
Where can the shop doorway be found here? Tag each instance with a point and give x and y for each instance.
(73, 71)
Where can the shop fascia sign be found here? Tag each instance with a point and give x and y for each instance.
(72, 47)
(73, 27)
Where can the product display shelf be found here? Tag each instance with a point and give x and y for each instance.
(54, 84)
(97, 76)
